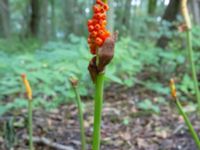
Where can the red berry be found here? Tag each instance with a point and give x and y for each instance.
(103, 23)
(93, 51)
(95, 21)
(102, 16)
(98, 41)
(102, 10)
(101, 32)
(95, 17)
(89, 40)
(98, 16)
(90, 28)
(99, 2)
(96, 9)
(90, 36)
(106, 7)
(97, 27)
(94, 33)
(105, 35)
(90, 22)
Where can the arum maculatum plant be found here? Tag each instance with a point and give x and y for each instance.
(29, 97)
(188, 28)
(183, 114)
(101, 44)
(74, 83)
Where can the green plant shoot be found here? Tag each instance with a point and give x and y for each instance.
(29, 96)
(183, 114)
(186, 16)
(74, 83)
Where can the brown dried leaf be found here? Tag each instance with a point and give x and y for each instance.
(93, 69)
(125, 135)
(105, 55)
(182, 27)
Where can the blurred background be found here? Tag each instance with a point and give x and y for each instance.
(47, 40)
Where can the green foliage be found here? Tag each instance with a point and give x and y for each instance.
(126, 121)
(9, 133)
(196, 37)
(186, 86)
(48, 68)
(148, 105)
(18, 46)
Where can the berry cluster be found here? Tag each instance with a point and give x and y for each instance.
(97, 26)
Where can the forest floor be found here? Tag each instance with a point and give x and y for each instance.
(124, 126)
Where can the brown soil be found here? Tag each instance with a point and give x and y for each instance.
(124, 126)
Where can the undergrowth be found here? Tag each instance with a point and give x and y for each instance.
(49, 66)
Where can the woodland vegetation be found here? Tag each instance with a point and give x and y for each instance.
(48, 41)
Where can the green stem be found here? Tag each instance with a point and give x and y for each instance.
(192, 65)
(98, 111)
(30, 128)
(188, 123)
(98, 104)
(80, 111)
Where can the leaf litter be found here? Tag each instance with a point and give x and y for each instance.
(124, 125)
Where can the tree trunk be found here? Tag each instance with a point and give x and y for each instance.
(53, 21)
(69, 10)
(195, 5)
(170, 16)
(26, 20)
(4, 19)
(43, 21)
(35, 18)
(127, 14)
(152, 7)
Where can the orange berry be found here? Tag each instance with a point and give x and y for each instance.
(99, 2)
(90, 22)
(94, 33)
(102, 10)
(106, 7)
(89, 40)
(92, 49)
(103, 23)
(95, 21)
(90, 36)
(96, 9)
(97, 16)
(90, 28)
(97, 27)
(101, 33)
(102, 16)
(94, 17)
(107, 33)
(98, 41)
